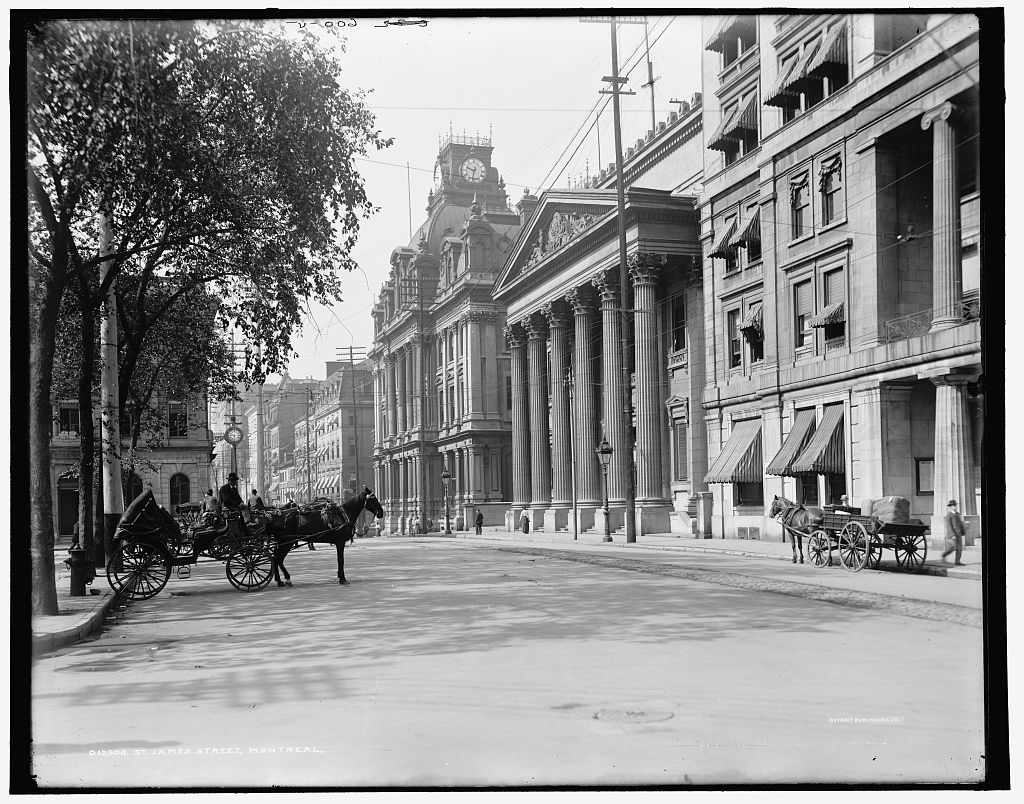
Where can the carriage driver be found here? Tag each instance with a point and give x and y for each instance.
(231, 499)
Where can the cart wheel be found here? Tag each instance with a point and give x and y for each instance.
(911, 552)
(819, 548)
(138, 570)
(875, 556)
(250, 568)
(853, 546)
(222, 547)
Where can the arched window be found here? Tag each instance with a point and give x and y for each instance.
(133, 488)
(180, 490)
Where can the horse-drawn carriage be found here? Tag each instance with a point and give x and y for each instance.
(149, 542)
(858, 538)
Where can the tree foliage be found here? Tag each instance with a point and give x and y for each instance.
(223, 154)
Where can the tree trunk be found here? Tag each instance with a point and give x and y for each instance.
(41, 348)
(102, 549)
(86, 429)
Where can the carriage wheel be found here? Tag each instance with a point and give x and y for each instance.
(819, 548)
(250, 568)
(138, 570)
(911, 552)
(853, 546)
(875, 556)
(222, 547)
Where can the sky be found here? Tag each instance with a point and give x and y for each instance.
(530, 82)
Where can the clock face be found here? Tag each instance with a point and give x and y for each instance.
(473, 170)
(233, 435)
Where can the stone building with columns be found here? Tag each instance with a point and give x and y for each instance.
(561, 288)
(440, 375)
(840, 229)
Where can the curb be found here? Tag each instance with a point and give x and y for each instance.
(85, 623)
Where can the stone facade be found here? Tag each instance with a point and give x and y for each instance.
(863, 164)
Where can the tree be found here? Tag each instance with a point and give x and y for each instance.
(223, 155)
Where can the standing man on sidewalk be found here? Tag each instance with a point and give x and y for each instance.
(479, 522)
(955, 530)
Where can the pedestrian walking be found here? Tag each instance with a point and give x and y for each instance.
(525, 522)
(955, 530)
(479, 522)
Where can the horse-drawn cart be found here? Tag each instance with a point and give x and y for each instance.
(860, 540)
(149, 542)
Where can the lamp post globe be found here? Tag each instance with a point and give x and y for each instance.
(604, 453)
(446, 478)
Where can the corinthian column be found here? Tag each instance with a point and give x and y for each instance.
(954, 461)
(612, 411)
(558, 318)
(390, 371)
(946, 270)
(644, 270)
(540, 451)
(516, 338)
(588, 482)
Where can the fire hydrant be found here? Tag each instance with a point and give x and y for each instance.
(82, 573)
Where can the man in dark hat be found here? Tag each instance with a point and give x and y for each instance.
(955, 530)
(229, 496)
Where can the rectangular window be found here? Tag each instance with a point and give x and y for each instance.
(733, 336)
(803, 309)
(755, 337)
(925, 484)
(835, 291)
(483, 385)
(807, 489)
(352, 446)
(177, 420)
(799, 202)
(69, 419)
(749, 494)
(681, 463)
(831, 190)
(678, 322)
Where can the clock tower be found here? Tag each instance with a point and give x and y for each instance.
(463, 171)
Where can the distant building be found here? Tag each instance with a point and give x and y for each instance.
(177, 470)
(440, 364)
(840, 224)
(341, 418)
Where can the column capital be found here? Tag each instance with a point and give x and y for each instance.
(951, 379)
(536, 326)
(582, 299)
(515, 335)
(941, 112)
(607, 285)
(557, 314)
(645, 266)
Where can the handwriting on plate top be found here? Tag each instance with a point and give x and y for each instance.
(400, 21)
(564, 226)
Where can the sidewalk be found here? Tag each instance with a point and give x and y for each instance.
(78, 616)
(782, 551)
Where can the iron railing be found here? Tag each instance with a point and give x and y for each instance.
(915, 324)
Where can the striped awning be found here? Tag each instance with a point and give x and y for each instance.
(799, 78)
(721, 34)
(742, 120)
(750, 232)
(740, 458)
(722, 247)
(799, 435)
(832, 53)
(779, 94)
(833, 314)
(752, 326)
(824, 453)
(720, 139)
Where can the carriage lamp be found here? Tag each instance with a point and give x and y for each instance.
(446, 478)
(604, 453)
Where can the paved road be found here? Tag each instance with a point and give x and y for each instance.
(450, 663)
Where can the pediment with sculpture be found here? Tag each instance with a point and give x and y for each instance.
(563, 227)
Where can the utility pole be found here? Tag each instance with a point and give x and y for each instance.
(650, 76)
(110, 437)
(309, 476)
(353, 353)
(627, 392)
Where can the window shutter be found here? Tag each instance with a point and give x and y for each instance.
(681, 472)
(804, 300)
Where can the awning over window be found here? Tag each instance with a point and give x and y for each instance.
(803, 429)
(722, 33)
(740, 458)
(751, 326)
(831, 56)
(741, 121)
(824, 453)
(750, 232)
(722, 247)
(799, 80)
(833, 314)
(785, 92)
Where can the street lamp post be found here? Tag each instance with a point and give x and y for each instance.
(446, 478)
(604, 452)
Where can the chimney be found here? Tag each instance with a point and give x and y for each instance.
(526, 206)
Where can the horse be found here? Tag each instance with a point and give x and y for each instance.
(326, 523)
(797, 520)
